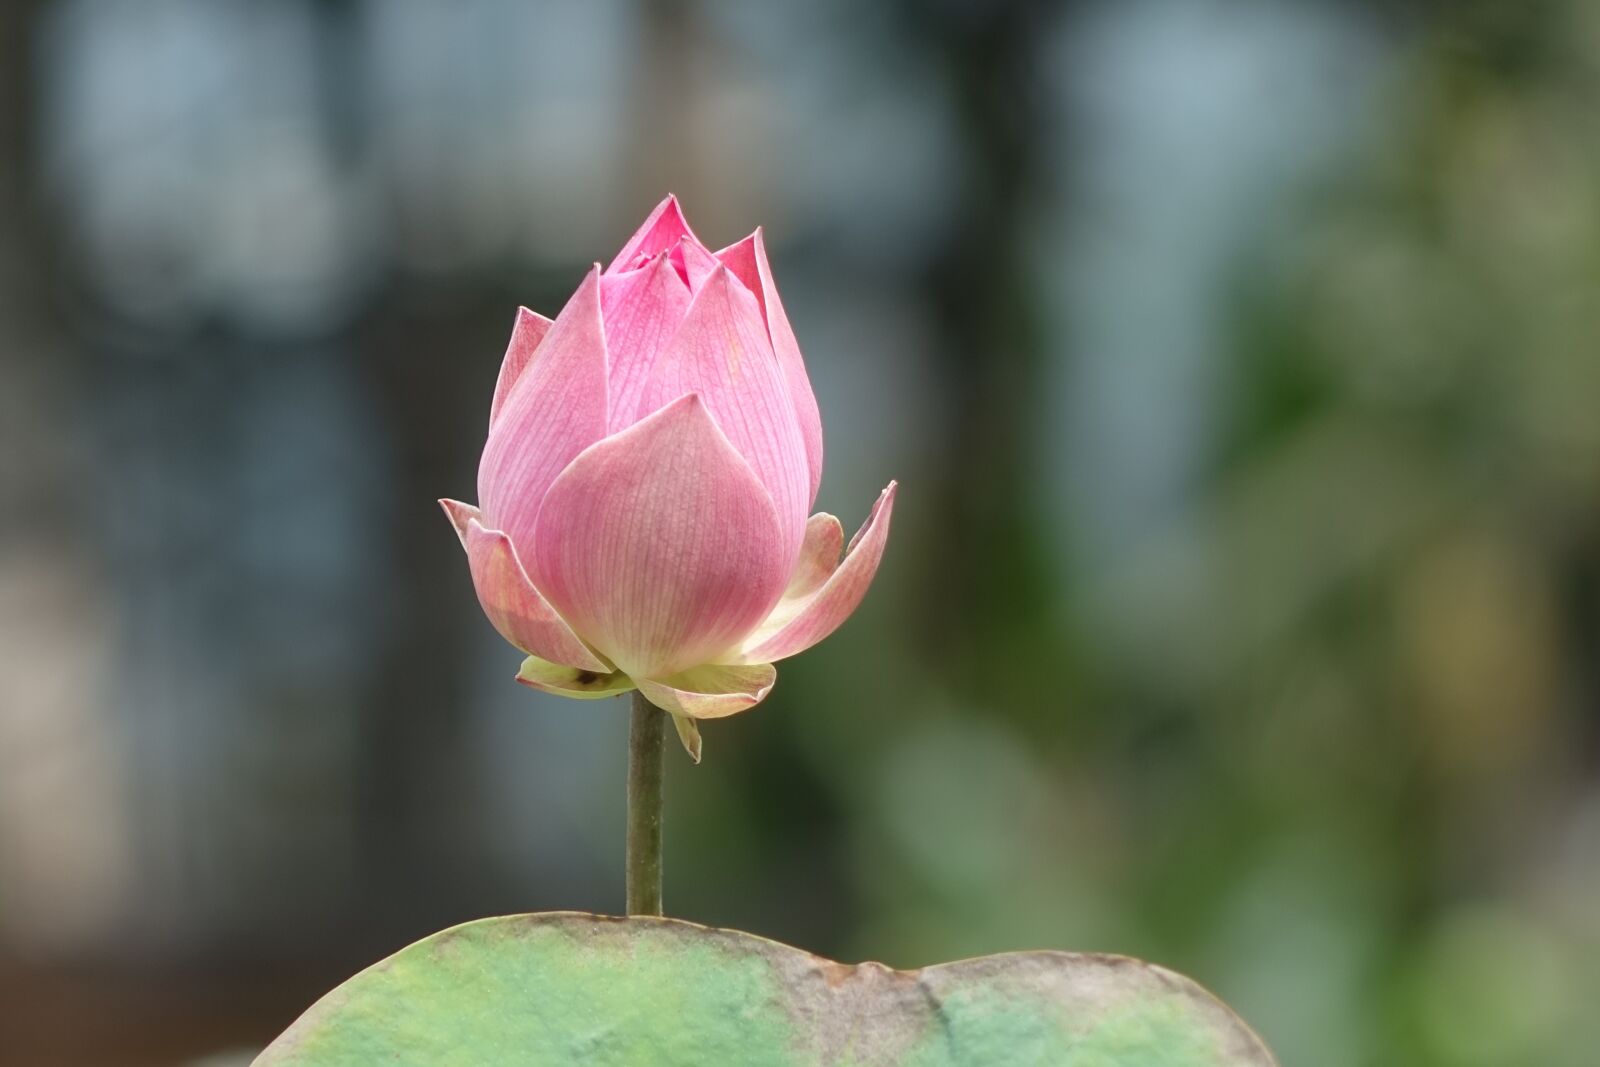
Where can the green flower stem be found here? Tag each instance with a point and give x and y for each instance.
(646, 748)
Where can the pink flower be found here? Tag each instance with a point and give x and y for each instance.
(652, 457)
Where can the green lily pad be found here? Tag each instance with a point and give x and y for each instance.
(572, 988)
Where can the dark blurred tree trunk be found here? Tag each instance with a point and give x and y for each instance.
(417, 792)
(990, 578)
(17, 22)
(417, 798)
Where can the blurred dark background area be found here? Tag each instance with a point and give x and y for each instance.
(1240, 362)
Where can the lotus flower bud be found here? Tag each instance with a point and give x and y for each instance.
(652, 457)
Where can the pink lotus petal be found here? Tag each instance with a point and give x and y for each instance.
(748, 261)
(710, 692)
(642, 311)
(694, 262)
(510, 600)
(526, 334)
(659, 543)
(722, 352)
(665, 227)
(795, 628)
(572, 682)
(557, 408)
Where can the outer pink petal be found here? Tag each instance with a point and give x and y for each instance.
(659, 544)
(748, 260)
(556, 409)
(722, 352)
(710, 692)
(510, 600)
(665, 227)
(830, 605)
(529, 330)
(643, 309)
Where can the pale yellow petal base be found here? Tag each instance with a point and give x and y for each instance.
(572, 681)
(709, 692)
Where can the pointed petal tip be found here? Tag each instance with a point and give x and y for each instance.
(661, 229)
(459, 515)
(756, 238)
(672, 204)
(689, 734)
(715, 281)
(687, 404)
(528, 330)
(885, 500)
(556, 408)
(758, 244)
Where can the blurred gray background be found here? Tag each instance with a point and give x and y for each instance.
(1240, 362)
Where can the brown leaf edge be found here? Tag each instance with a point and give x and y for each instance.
(832, 986)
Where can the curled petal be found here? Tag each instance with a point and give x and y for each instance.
(510, 600)
(572, 682)
(526, 334)
(748, 261)
(721, 352)
(665, 227)
(794, 627)
(711, 691)
(556, 409)
(642, 311)
(659, 544)
(819, 556)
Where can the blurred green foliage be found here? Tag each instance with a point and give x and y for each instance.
(1330, 739)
